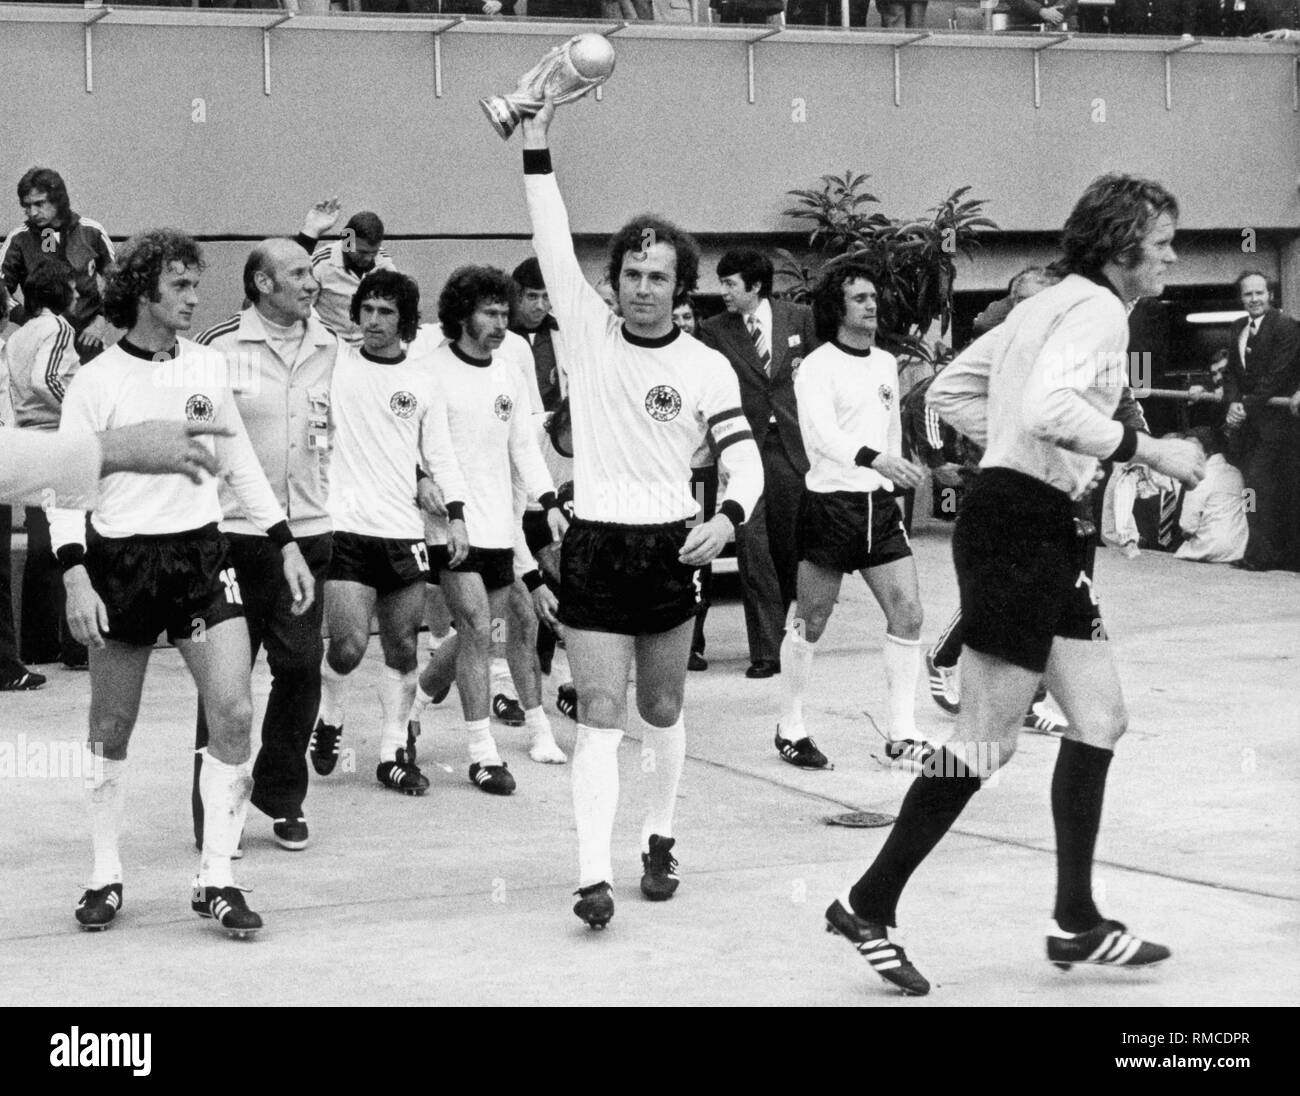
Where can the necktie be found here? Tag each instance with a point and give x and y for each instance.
(760, 343)
(1168, 512)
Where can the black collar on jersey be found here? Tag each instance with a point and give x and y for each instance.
(655, 343)
(382, 361)
(149, 355)
(469, 359)
(853, 349)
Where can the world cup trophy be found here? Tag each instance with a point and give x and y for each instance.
(567, 72)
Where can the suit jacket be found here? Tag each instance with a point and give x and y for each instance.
(761, 396)
(1273, 368)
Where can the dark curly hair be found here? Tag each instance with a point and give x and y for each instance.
(402, 290)
(1109, 221)
(140, 263)
(466, 289)
(50, 181)
(648, 230)
(828, 296)
(49, 285)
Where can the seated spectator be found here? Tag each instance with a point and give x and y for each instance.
(1167, 18)
(749, 11)
(825, 13)
(1214, 511)
(1029, 15)
(1205, 413)
(564, 9)
(476, 7)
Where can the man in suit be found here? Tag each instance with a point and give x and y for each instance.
(1263, 362)
(765, 341)
(531, 318)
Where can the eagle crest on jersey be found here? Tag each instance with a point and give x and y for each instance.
(198, 408)
(886, 395)
(503, 406)
(403, 405)
(663, 403)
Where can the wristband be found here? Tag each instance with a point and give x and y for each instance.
(537, 161)
(1127, 447)
(734, 511)
(533, 580)
(280, 535)
(548, 501)
(865, 456)
(455, 511)
(70, 556)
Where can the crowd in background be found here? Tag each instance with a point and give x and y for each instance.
(1199, 18)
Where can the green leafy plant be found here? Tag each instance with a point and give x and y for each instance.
(913, 260)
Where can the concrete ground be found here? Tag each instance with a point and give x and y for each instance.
(461, 898)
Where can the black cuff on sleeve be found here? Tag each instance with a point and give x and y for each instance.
(537, 161)
(455, 511)
(533, 580)
(548, 501)
(865, 456)
(1127, 446)
(280, 534)
(734, 511)
(70, 556)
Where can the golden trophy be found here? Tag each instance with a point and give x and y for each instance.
(567, 72)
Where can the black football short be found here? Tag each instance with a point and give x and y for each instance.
(179, 583)
(496, 565)
(1022, 570)
(849, 531)
(382, 564)
(625, 578)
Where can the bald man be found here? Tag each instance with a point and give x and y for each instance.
(280, 360)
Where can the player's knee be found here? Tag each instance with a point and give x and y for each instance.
(1112, 723)
(229, 717)
(601, 709)
(812, 622)
(402, 656)
(112, 731)
(475, 632)
(346, 653)
(905, 618)
(660, 710)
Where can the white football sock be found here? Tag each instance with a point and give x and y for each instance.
(595, 800)
(225, 790)
(544, 748)
(105, 800)
(902, 668)
(482, 746)
(663, 753)
(396, 691)
(422, 700)
(502, 682)
(796, 668)
(333, 694)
